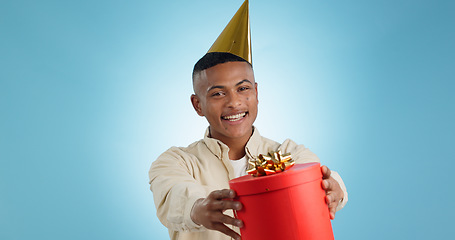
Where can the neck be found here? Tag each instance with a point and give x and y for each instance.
(236, 145)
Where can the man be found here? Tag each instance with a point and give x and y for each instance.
(190, 184)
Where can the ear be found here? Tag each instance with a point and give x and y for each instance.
(196, 104)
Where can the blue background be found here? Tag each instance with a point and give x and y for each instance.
(91, 92)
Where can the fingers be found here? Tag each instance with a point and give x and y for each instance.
(326, 185)
(332, 190)
(331, 200)
(209, 211)
(224, 205)
(222, 200)
(333, 194)
(332, 211)
(222, 194)
(325, 172)
(332, 204)
(222, 228)
(221, 218)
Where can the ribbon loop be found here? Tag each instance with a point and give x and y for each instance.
(273, 162)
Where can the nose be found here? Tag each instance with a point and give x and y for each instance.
(234, 100)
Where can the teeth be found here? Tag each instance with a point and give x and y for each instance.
(235, 117)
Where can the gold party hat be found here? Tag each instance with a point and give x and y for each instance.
(236, 36)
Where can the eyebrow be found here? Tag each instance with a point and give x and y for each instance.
(243, 81)
(222, 87)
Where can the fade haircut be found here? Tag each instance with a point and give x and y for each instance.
(212, 59)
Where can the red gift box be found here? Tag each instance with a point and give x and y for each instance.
(288, 205)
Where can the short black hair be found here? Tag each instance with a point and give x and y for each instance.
(212, 59)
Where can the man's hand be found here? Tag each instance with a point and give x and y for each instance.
(333, 191)
(209, 212)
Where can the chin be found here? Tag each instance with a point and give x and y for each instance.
(238, 133)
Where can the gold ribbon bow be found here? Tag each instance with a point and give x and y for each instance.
(274, 162)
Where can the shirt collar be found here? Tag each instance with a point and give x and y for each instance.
(217, 147)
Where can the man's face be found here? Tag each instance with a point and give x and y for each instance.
(226, 95)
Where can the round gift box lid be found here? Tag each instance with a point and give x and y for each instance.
(298, 174)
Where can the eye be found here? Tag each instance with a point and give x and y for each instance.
(217, 94)
(243, 88)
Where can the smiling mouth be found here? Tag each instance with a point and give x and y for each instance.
(235, 117)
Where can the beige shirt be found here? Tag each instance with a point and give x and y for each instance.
(181, 175)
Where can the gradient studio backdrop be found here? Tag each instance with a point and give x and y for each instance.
(91, 92)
